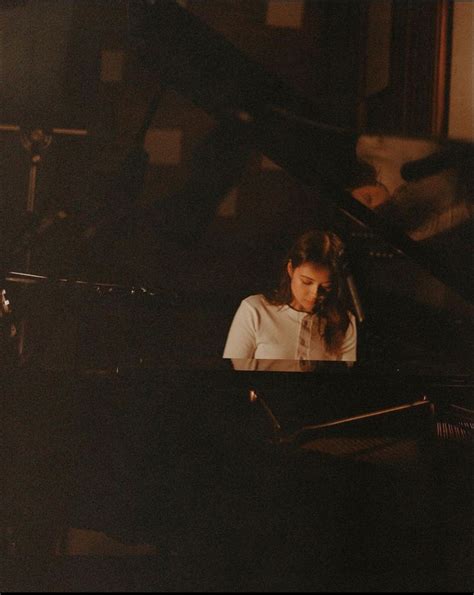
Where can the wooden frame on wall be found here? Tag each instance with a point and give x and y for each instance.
(415, 99)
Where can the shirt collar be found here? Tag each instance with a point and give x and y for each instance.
(296, 314)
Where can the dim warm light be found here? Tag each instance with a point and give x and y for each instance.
(285, 13)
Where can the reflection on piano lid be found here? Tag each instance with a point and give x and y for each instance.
(205, 66)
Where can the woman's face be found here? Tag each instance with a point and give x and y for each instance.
(310, 283)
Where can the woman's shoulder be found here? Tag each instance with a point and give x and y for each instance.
(255, 302)
(259, 301)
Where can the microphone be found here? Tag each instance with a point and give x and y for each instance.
(352, 287)
(413, 171)
(358, 310)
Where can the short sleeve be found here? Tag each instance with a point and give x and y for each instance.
(349, 346)
(241, 341)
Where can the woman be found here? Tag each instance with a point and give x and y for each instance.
(306, 318)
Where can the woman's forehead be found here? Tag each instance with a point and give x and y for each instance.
(317, 272)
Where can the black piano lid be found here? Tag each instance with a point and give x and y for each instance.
(203, 65)
(411, 252)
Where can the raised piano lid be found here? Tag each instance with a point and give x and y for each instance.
(402, 204)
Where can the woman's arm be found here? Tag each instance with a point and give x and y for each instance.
(349, 346)
(242, 339)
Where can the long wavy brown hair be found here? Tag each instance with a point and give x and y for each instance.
(322, 248)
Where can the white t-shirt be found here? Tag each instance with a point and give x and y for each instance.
(261, 330)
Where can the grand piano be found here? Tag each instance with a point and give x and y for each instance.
(352, 478)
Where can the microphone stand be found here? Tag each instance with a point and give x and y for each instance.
(36, 141)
